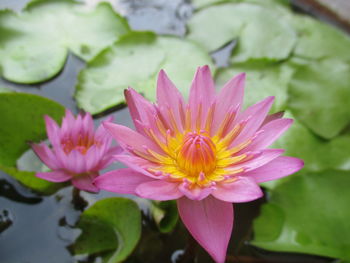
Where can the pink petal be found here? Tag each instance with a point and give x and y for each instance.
(46, 155)
(243, 189)
(54, 176)
(270, 132)
(169, 97)
(255, 115)
(141, 110)
(272, 117)
(127, 138)
(195, 193)
(109, 157)
(136, 164)
(230, 96)
(210, 222)
(277, 168)
(75, 162)
(159, 190)
(122, 181)
(85, 182)
(261, 159)
(202, 92)
(53, 131)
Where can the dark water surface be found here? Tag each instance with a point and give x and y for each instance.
(38, 229)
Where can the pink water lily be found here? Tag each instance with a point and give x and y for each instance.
(78, 153)
(207, 153)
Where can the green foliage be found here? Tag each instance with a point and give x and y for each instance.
(165, 215)
(22, 122)
(135, 61)
(259, 37)
(308, 214)
(112, 224)
(34, 44)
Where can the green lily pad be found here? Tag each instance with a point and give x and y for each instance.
(260, 38)
(165, 215)
(22, 121)
(26, 56)
(318, 40)
(261, 81)
(110, 224)
(318, 154)
(135, 61)
(319, 96)
(307, 214)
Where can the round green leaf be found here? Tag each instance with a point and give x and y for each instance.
(110, 224)
(135, 61)
(261, 81)
(22, 121)
(319, 96)
(259, 36)
(318, 40)
(307, 214)
(25, 54)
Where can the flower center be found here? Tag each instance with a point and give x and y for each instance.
(81, 144)
(197, 154)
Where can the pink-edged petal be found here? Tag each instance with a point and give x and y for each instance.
(169, 98)
(141, 110)
(85, 182)
(195, 193)
(261, 159)
(277, 168)
(243, 189)
(136, 164)
(109, 157)
(159, 190)
(75, 162)
(46, 155)
(269, 133)
(122, 181)
(53, 131)
(210, 222)
(202, 93)
(230, 97)
(272, 117)
(127, 138)
(54, 176)
(68, 122)
(255, 115)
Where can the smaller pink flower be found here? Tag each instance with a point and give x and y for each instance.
(78, 153)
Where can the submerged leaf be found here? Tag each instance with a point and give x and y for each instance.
(110, 224)
(135, 61)
(34, 44)
(307, 214)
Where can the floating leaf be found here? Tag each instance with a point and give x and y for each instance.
(198, 4)
(318, 40)
(22, 121)
(135, 61)
(165, 215)
(262, 81)
(110, 224)
(259, 36)
(319, 96)
(307, 214)
(25, 54)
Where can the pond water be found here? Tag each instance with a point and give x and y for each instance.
(39, 229)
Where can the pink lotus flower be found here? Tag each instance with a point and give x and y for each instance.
(206, 153)
(78, 153)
